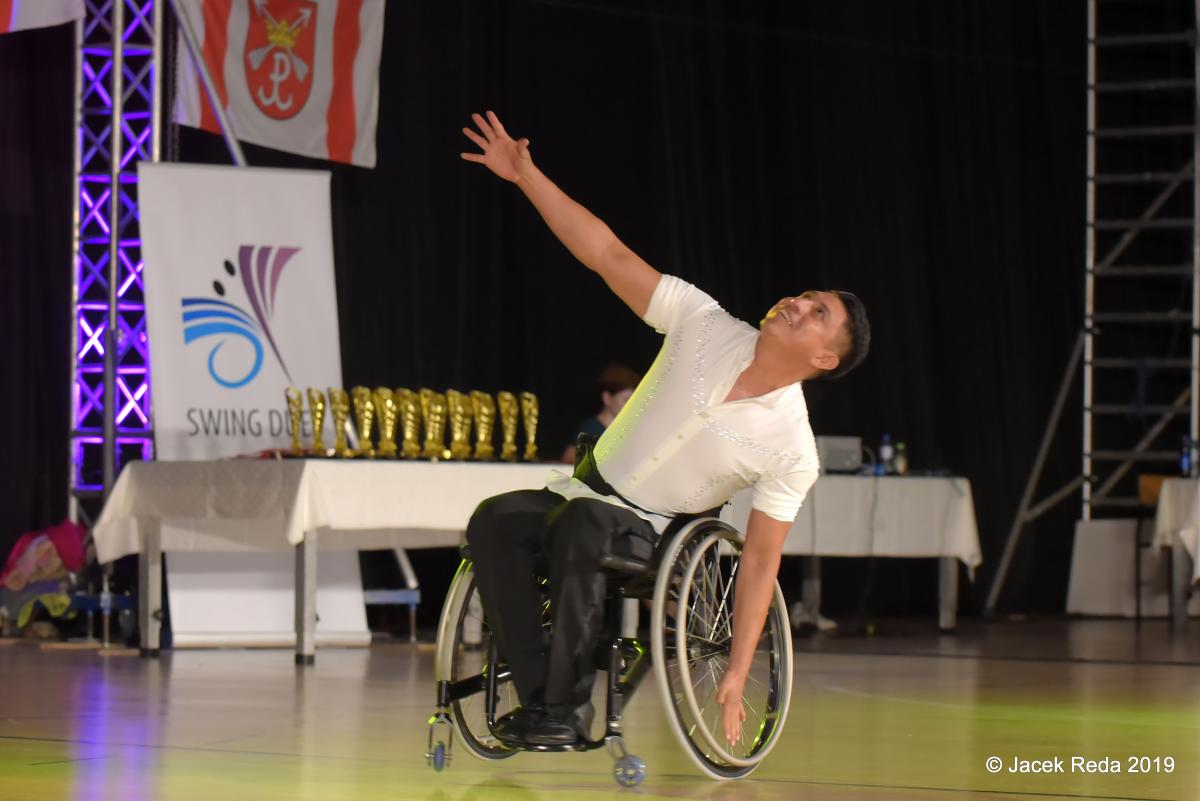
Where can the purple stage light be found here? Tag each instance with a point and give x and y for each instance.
(97, 232)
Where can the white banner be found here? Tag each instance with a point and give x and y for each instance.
(240, 303)
(296, 75)
(20, 15)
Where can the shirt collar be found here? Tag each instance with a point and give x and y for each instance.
(782, 397)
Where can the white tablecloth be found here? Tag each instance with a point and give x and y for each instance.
(269, 505)
(1178, 517)
(885, 516)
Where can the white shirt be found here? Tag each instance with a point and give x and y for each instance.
(676, 447)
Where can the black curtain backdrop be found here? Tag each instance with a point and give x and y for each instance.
(37, 75)
(927, 155)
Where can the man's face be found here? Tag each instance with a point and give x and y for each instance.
(809, 326)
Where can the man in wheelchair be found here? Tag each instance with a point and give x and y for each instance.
(722, 408)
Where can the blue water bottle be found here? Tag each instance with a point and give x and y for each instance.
(1185, 457)
(886, 453)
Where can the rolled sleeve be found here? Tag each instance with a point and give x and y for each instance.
(781, 497)
(672, 302)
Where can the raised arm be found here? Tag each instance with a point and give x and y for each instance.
(584, 234)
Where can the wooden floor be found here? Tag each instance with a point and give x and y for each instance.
(898, 717)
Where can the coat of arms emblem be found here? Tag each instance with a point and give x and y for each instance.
(279, 55)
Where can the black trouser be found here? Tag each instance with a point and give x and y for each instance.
(519, 535)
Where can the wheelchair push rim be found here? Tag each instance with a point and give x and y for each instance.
(455, 661)
(696, 580)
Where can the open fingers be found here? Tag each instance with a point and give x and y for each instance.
(733, 728)
(495, 123)
(728, 719)
(483, 126)
(475, 157)
(476, 138)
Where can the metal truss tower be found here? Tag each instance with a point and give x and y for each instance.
(118, 121)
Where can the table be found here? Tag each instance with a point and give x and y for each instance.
(894, 516)
(1177, 527)
(303, 504)
(314, 504)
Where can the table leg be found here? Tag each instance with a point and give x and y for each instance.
(472, 623)
(810, 587)
(410, 582)
(629, 618)
(947, 593)
(306, 599)
(150, 587)
(1181, 580)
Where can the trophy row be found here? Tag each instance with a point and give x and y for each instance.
(421, 418)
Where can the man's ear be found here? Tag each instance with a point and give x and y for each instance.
(825, 360)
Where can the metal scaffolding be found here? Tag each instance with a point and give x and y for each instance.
(1140, 343)
(1140, 324)
(118, 121)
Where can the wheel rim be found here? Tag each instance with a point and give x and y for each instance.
(703, 636)
(687, 550)
(470, 659)
(459, 659)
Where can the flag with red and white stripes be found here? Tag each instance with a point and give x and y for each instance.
(295, 75)
(20, 15)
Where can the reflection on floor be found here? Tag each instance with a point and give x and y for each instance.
(1069, 639)
(883, 717)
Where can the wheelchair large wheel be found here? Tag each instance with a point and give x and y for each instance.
(691, 636)
(464, 649)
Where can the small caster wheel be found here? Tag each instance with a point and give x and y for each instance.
(438, 757)
(629, 771)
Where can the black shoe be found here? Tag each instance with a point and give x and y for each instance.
(512, 727)
(562, 726)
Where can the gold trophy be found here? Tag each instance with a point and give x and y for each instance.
(508, 425)
(484, 410)
(433, 410)
(364, 411)
(339, 408)
(461, 417)
(316, 409)
(295, 407)
(386, 408)
(424, 394)
(529, 417)
(410, 422)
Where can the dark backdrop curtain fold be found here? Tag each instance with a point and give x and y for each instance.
(36, 133)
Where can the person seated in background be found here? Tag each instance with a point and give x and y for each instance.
(616, 383)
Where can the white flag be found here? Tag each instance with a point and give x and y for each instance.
(19, 15)
(296, 75)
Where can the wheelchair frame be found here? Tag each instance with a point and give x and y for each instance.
(626, 660)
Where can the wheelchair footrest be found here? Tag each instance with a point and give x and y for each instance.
(579, 745)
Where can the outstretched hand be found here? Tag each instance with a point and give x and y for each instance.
(503, 155)
(729, 696)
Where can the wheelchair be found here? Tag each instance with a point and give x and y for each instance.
(689, 580)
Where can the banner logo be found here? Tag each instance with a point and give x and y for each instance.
(279, 56)
(260, 268)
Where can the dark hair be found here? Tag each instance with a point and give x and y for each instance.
(858, 332)
(615, 378)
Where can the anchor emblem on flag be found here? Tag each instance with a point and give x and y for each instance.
(279, 55)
